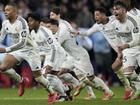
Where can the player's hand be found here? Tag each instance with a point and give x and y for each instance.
(74, 33)
(124, 46)
(2, 50)
(47, 68)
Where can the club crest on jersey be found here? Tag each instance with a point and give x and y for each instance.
(117, 28)
(7, 29)
(23, 33)
(136, 30)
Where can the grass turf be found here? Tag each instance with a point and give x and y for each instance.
(39, 97)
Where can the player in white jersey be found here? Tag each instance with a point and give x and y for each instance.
(104, 25)
(23, 48)
(128, 28)
(80, 54)
(91, 95)
(53, 52)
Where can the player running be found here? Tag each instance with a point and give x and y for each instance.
(23, 48)
(83, 70)
(128, 27)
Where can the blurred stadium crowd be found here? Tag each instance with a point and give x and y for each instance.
(80, 14)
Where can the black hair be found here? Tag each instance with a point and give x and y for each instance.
(45, 19)
(12, 4)
(53, 22)
(35, 16)
(56, 10)
(101, 10)
(133, 3)
(120, 3)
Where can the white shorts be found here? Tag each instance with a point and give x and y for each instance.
(131, 59)
(30, 56)
(80, 67)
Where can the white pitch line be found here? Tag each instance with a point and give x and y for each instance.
(23, 98)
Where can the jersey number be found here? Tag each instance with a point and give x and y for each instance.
(124, 59)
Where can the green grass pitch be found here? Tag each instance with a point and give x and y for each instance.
(39, 97)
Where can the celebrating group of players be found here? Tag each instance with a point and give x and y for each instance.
(66, 65)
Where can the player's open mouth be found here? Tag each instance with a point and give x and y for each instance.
(97, 21)
(116, 15)
(6, 14)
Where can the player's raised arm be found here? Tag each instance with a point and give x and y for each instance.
(90, 31)
(101, 19)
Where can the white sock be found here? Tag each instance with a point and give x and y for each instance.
(12, 73)
(90, 91)
(70, 79)
(123, 78)
(65, 87)
(43, 81)
(99, 84)
(135, 81)
(57, 84)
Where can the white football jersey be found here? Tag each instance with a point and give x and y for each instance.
(47, 43)
(19, 32)
(40, 39)
(68, 42)
(108, 31)
(129, 31)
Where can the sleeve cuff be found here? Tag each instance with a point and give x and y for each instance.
(130, 44)
(7, 49)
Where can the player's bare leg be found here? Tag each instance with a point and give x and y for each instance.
(6, 67)
(116, 66)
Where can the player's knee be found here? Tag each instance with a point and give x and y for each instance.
(4, 67)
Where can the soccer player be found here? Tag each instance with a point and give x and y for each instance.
(91, 95)
(81, 63)
(104, 25)
(23, 48)
(53, 52)
(69, 77)
(128, 28)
